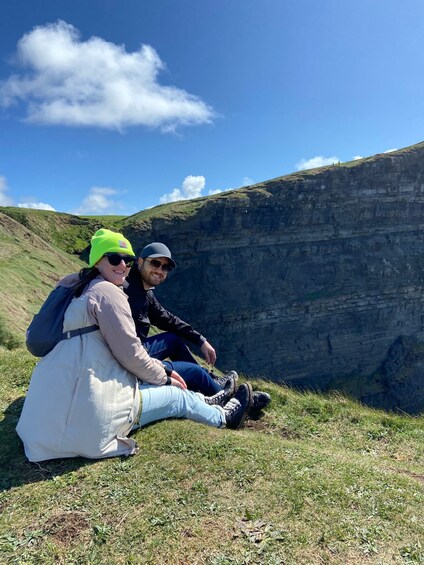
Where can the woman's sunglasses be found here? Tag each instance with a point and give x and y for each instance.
(115, 259)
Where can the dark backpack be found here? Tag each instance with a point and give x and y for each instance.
(46, 329)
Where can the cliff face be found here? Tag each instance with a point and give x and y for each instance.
(308, 279)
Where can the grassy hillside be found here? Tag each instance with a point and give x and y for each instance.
(67, 232)
(29, 269)
(317, 480)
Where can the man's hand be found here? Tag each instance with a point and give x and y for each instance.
(208, 353)
(177, 380)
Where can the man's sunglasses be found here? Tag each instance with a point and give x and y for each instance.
(166, 268)
(115, 259)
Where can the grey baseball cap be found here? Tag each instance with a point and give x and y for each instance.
(157, 249)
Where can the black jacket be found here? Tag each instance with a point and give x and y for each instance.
(147, 310)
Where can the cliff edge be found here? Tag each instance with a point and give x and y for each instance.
(307, 279)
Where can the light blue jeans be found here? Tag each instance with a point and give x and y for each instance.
(161, 402)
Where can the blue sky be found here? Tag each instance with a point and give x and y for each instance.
(114, 106)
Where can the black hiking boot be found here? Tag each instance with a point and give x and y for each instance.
(222, 381)
(237, 408)
(260, 401)
(223, 396)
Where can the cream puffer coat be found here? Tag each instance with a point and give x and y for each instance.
(83, 397)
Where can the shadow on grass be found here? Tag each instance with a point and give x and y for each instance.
(15, 469)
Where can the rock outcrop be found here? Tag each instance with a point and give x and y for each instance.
(307, 279)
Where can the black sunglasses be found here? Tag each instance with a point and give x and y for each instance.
(115, 259)
(166, 268)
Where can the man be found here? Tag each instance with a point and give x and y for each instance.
(151, 269)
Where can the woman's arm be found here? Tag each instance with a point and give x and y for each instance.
(109, 307)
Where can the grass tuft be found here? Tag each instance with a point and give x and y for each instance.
(7, 338)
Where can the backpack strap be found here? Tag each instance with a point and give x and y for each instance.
(79, 331)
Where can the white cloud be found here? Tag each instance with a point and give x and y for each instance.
(4, 198)
(96, 83)
(191, 188)
(357, 157)
(315, 162)
(99, 202)
(37, 206)
(247, 181)
(218, 190)
(389, 150)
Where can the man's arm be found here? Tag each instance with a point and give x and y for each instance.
(166, 321)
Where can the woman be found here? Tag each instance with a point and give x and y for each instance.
(90, 391)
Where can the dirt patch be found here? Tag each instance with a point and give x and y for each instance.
(67, 526)
(416, 476)
(262, 425)
(257, 425)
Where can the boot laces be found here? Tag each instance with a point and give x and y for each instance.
(232, 406)
(216, 398)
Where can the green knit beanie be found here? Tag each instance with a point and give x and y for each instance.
(106, 241)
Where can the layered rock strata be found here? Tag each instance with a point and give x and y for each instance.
(307, 279)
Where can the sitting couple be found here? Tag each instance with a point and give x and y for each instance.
(91, 391)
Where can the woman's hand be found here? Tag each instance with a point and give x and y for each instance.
(177, 380)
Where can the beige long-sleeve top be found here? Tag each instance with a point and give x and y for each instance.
(107, 307)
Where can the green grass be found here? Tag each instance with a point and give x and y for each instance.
(7, 338)
(319, 479)
(29, 269)
(171, 211)
(65, 231)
